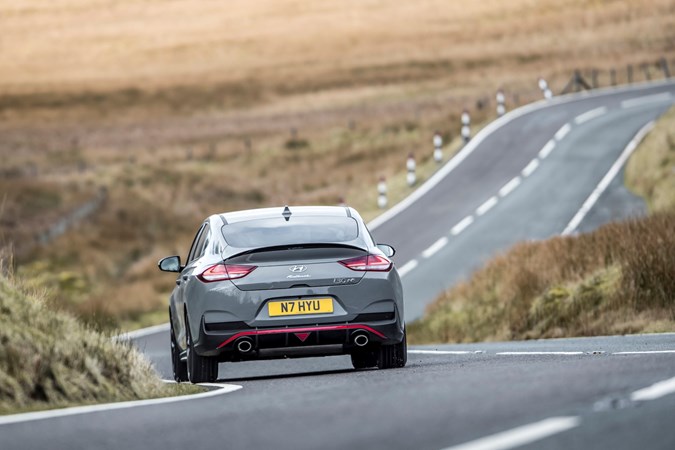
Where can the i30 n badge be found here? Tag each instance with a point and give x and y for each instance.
(234, 299)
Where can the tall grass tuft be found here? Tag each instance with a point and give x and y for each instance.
(617, 279)
(48, 359)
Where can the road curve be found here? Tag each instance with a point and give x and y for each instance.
(607, 392)
(525, 180)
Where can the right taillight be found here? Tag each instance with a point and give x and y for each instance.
(368, 263)
(222, 272)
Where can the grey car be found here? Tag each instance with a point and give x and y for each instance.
(281, 283)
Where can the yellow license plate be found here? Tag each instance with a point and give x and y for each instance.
(298, 307)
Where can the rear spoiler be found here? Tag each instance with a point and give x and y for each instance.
(298, 246)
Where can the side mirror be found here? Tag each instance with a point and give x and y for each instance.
(388, 250)
(170, 264)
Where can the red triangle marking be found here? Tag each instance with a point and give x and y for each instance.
(302, 336)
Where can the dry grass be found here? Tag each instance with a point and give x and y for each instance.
(50, 360)
(650, 172)
(617, 279)
(157, 100)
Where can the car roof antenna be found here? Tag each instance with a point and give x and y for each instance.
(287, 213)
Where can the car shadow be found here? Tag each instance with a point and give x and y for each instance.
(289, 375)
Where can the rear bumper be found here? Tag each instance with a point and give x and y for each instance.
(296, 341)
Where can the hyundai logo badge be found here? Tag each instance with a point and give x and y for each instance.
(297, 269)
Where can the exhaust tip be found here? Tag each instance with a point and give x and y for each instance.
(361, 340)
(244, 346)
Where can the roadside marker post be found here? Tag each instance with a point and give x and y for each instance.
(501, 109)
(466, 126)
(438, 147)
(411, 166)
(543, 85)
(382, 193)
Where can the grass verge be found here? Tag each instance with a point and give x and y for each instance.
(615, 280)
(650, 173)
(50, 360)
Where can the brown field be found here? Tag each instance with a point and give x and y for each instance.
(181, 109)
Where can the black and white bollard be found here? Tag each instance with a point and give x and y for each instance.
(543, 85)
(411, 166)
(466, 126)
(501, 100)
(438, 147)
(382, 193)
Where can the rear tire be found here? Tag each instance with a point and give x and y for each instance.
(364, 359)
(384, 357)
(200, 369)
(393, 356)
(179, 367)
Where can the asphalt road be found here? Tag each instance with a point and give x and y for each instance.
(500, 202)
(568, 393)
(439, 400)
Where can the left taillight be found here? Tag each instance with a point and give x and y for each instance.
(222, 272)
(368, 263)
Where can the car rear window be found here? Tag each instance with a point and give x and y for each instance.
(298, 230)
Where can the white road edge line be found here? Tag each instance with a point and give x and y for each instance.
(487, 206)
(645, 352)
(220, 389)
(562, 132)
(547, 149)
(590, 115)
(509, 187)
(445, 352)
(539, 353)
(656, 390)
(531, 167)
(663, 96)
(407, 267)
(606, 180)
(435, 247)
(517, 437)
(461, 225)
(142, 332)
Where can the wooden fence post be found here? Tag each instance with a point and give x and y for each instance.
(664, 67)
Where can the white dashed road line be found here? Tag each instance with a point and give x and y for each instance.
(540, 353)
(445, 352)
(487, 206)
(531, 167)
(590, 115)
(461, 226)
(547, 149)
(509, 187)
(407, 267)
(562, 132)
(647, 352)
(517, 437)
(654, 391)
(435, 247)
(639, 101)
